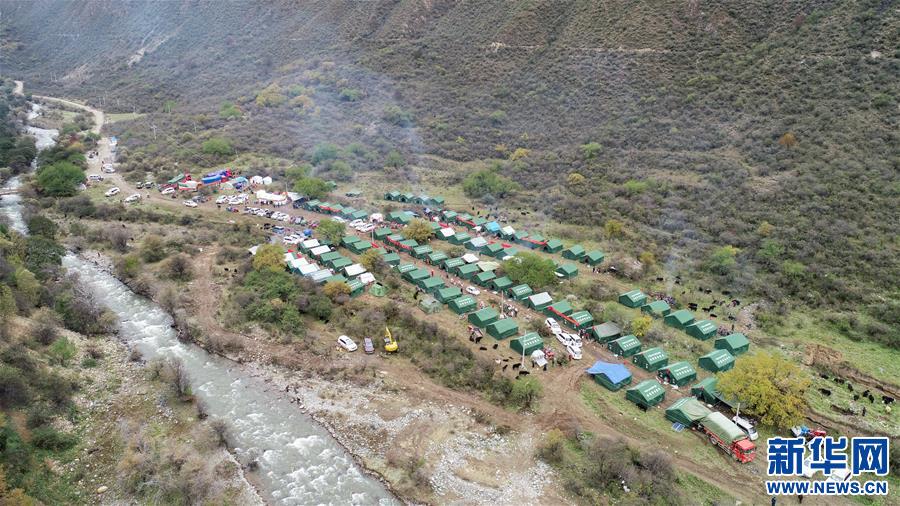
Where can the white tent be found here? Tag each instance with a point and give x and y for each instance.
(319, 250)
(298, 263)
(376, 217)
(354, 270)
(470, 258)
(308, 269)
(253, 249)
(267, 180)
(288, 257)
(276, 199)
(321, 276)
(256, 180)
(366, 278)
(309, 244)
(508, 230)
(478, 242)
(446, 233)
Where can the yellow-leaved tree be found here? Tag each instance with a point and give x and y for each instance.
(769, 386)
(269, 257)
(418, 230)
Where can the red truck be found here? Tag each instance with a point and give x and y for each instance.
(726, 435)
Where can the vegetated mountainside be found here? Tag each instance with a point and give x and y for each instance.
(768, 127)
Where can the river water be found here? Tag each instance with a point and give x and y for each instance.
(299, 461)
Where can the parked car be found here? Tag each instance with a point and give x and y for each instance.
(553, 326)
(472, 290)
(222, 199)
(167, 191)
(573, 339)
(133, 198)
(112, 191)
(574, 352)
(338, 219)
(746, 426)
(149, 184)
(139, 185)
(109, 169)
(346, 343)
(190, 203)
(368, 346)
(95, 177)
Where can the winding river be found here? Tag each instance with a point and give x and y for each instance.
(299, 461)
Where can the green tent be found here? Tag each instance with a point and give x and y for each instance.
(579, 320)
(337, 278)
(624, 346)
(349, 239)
(394, 195)
(450, 215)
(561, 308)
(705, 389)
(399, 217)
(521, 234)
(356, 287)
(520, 292)
(507, 252)
(437, 201)
(406, 197)
(360, 247)
(475, 244)
(646, 394)
(483, 317)
(539, 301)
(312, 205)
(679, 319)
(605, 332)
(429, 305)
(717, 361)
(575, 252)
(679, 373)
(462, 305)
(451, 264)
(331, 255)
(687, 411)
(430, 284)
(378, 290)
(566, 271)
(500, 284)
(415, 275)
(435, 226)
(492, 249)
(703, 329)
(340, 263)
(460, 238)
(501, 329)
(657, 308)
(347, 212)
(736, 343)
(422, 251)
(447, 294)
(553, 246)
(359, 215)
(409, 244)
(435, 258)
(634, 298)
(404, 268)
(725, 429)
(526, 344)
(594, 258)
(381, 233)
(467, 271)
(391, 258)
(613, 384)
(651, 360)
(484, 278)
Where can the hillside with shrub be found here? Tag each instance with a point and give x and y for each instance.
(754, 145)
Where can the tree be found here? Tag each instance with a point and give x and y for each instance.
(768, 386)
(312, 187)
(269, 256)
(217, 146)
(722, 260)
(60, 179)
(531, 269)
(788, 140)
(350, 95)
(330, 230)
(640, 325)
(270, 96)
(153, 249)
(41, 253)
(336, 290)
(613, 228)
(62, 351)
(488, 182)
(228, 110)
(418, 230)
(40, 225)
(575, 179)
(324, 152)
(395, 159)
(591, 150)
(525, 393)
(179, 268)
(372, 260)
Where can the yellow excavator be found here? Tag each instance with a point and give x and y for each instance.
(390, 344)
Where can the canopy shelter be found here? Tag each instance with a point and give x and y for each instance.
(612, 376)
(594, 258)
(539, 301)
(687, 411)
(483, 317)
(679, 373)
(447, 294)
(605, 332)
(735, 344)
(520, 292)
(703, 329)
(657, 308)
(651, 360)
(646, 394)
(566, 271)
(679, 319)
(575, 252)
(502, 329)
(553, 246)
(634, 298)
(717, 361)
(462, 305)
(526, 344)
(624, 346)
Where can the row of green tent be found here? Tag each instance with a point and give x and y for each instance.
(347, 212)
(424, 200)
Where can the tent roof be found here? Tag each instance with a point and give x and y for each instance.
(529, 339)
(682, 316)
(465, 300)
(687, 410)
(735, 341)
(562, 306)
(354, 270)
(627, 342)
(595, 255)
(634, 295)
(719, 357)
(468, 269)
(705, 326)
(437, 256)
(403, 268)
(422, 249)
(520, 290)
(504, 325)
(613, 372)
(502, 282)
(654, 355)
(431, 282)
(453, 262)
(478, 242)
(576, 249)
(470, 258)
(554, 243)
(448, 292)
(680, 370)
(540, 298)
(485, 314)
(488, 266)
(648, 389)
(607, 329)
(492, 226)
(582, 317)
(658, 306)
(720, 425)
(507, 230)
(567, 269)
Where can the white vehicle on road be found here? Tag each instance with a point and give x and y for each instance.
(471, 290)
(573, 339)
(108, 168)
(338, 219)
(346, 343)
(574, 351)
(190, 203)
(167, 191)
(553, 326)
(222, 199)
(95, 177)
(133, 198)
(367, 228)
(112, 191)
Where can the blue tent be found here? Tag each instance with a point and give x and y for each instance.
(239, 181)
(492, 226)
(612, 376)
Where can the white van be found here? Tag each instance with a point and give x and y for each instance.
(746, 426)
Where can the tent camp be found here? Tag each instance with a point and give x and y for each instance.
(520, 292)
(500, 284)
(612, 376)
(679, 373)
(634, 298)
(526, 344)
(462, 305)
(657, 308)
(575, 252)
(646, 394)
(679, 319)
(717, 361)
(651, 360)
(430, 284)
(736, 343)
(483, 317)
(705, 390)
(501, 329)
(702, 330)
(436, 257)
(687, 411)
(447, 294)
(553, 246)
(624, 346)
(539, 301)
(566, 271)
(429, 305)
(484, 278)
(605, 332)
(594, 258)
(467, 271)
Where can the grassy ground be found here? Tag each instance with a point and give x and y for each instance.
(122, 116)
